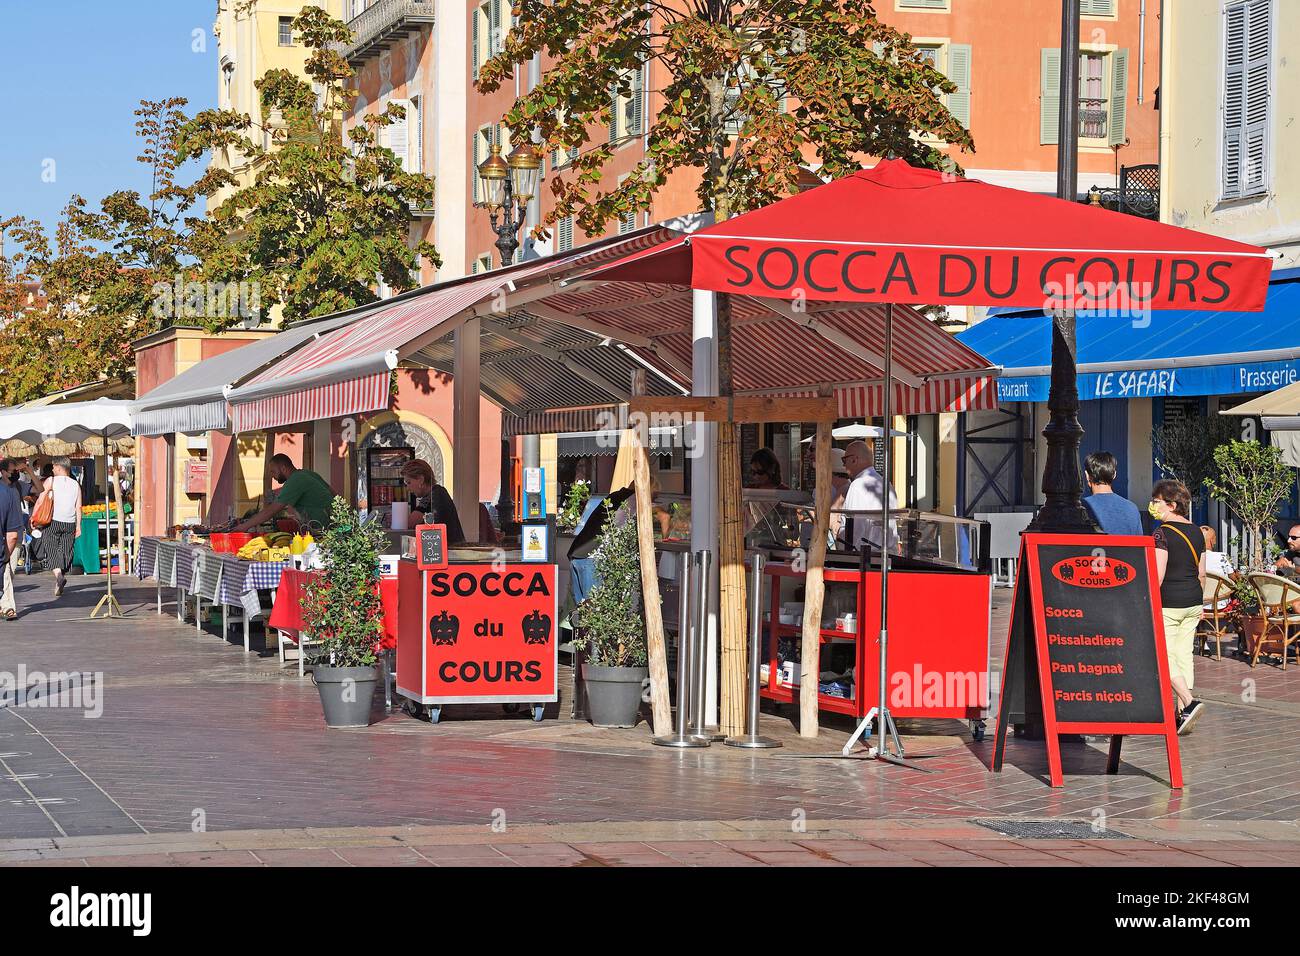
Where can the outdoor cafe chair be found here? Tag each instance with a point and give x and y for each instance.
(1281, 620)
(1215, 595)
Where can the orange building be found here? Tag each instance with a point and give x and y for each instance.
(1003, 56)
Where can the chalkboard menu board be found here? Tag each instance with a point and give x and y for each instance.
(431, 546)
(1086, 630)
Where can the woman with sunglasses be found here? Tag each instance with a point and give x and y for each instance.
(1180, 564)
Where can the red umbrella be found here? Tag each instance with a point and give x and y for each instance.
(896, 233)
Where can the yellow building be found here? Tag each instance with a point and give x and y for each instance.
(252, 38)
(1230, 150)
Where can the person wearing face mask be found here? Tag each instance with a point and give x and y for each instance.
(1180, 566)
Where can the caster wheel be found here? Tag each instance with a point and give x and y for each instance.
(412, 709)
(435, 713)
(977, 730)
(510, 708)
(539, 711)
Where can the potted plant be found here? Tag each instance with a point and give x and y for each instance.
(575, 502)
(612, 630)
(342, 612)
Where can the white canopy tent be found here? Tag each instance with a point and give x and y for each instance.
(1279, 411)
(105, 419)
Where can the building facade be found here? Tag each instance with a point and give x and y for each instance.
(253, 38)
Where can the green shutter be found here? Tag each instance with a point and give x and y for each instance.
(959, 73)
(1049, 96)
(474, 15)
(1096, 8)
(613, 113)
(638, 97)
(923, 4)
(1118, 98)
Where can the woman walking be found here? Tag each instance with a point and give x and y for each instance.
(61, 536)
(1180, 563)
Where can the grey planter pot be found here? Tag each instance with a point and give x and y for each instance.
(345, 694)
(614, 694)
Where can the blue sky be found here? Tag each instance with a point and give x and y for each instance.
(72, 73)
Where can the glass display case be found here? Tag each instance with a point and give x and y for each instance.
(913, 538)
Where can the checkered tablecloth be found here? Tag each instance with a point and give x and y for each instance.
(185, 567)
(241, 580)
(146, 562)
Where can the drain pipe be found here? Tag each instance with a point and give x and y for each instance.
(1142, 48)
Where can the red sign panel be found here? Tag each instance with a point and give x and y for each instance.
(1086, 650)
(490, 633)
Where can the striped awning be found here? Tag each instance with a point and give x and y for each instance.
(339, 372)
(553, 339)
(563, 420)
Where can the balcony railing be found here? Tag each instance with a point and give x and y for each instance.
(1138, 193)
(383, 20)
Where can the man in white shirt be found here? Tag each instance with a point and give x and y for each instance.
(866, 493)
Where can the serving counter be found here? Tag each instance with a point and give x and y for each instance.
(477, 628)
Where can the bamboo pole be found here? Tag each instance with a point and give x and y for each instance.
(815, 586)
(660, 705)
(731, 548)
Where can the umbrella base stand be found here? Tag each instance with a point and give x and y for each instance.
(888, 732)
(110, 608)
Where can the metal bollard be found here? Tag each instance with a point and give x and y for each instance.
(750, 739)
(681, 737)
(699, 658)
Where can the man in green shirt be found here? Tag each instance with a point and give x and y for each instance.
(305, 492)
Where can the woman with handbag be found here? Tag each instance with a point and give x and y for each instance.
(1180, 563)
(40, 512)
(65, 522)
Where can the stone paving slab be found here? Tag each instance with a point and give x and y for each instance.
(191, 726)
(710, 843)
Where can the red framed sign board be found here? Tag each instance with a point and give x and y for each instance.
(478, 633)
(1087, 641)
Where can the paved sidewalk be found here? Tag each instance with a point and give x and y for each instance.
(192, 730)
(704, 843)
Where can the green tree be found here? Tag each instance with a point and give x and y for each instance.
(322, 220)
(1253, 480)
(748, 87)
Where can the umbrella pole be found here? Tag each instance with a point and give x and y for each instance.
(109, 603)
(886, 729)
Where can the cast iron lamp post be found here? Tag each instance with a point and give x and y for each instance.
(508, 186)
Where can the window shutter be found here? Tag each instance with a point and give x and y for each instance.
(1118, 112)
(1258, 58)
(398, 134)
(1049, 96)
(959, 72)
(613, 113)
(415, 131)
(638, 97)
(480, 144)
(1096, 8)
(496, 39)
(923, 4)
(564, 234)
(476, 16)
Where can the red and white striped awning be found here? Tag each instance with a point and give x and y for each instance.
(347, 371)
(553, 340)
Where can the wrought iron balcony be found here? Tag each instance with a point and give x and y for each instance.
(381, 22)
(1138, 193)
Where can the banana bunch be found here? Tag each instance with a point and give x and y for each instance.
(250, 550)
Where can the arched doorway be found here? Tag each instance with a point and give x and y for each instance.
(397, 434)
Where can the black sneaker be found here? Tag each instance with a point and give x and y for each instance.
(1191, 713)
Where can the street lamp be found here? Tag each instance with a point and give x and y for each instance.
(509, 185)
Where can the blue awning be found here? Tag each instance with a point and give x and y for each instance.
(1152, 354)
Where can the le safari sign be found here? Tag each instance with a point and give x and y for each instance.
(1086, 648)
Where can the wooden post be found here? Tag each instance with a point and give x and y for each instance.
(731, 548)
(814, 593)
(660, 705)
